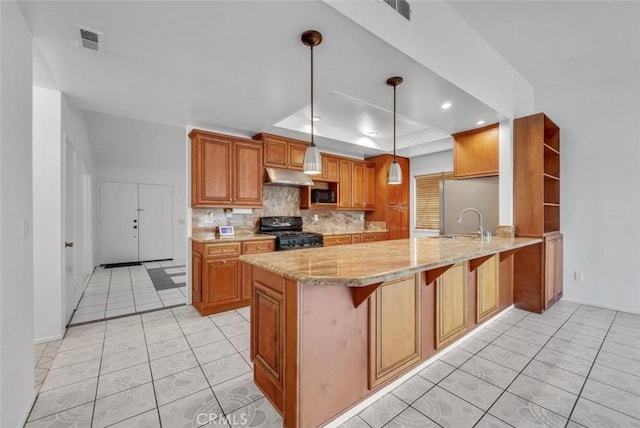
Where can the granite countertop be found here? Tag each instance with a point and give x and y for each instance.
(212, 238)
(364, 264)
(352, 232)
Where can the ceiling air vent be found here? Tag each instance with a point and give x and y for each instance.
(401, 6)
(88, 39)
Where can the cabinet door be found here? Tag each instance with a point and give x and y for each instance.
(275, 153)
(358, 191)
(558, 268)
(196, 279)
(296, 156)
(394, 328)
(399, 193)
(553, 269)
(248, 174)
(475, 153)
(211, 178)
(451, 305)
(369, 186)
(487, 286)
(267, 350)
(330, 168)
(398, 223)
(220, 281)
(345, 190)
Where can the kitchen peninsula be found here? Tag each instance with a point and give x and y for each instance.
(331, 326)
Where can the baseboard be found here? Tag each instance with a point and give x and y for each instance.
(613, 308)
(48, 339)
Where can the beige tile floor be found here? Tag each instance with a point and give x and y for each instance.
(113, 292)
(573, 366)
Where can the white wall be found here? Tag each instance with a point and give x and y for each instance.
(175, 179)
(54, 120)
(600, 187)
(422, 165)
(16, 252)
(47, 214)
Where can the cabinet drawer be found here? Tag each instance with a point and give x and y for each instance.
(336, 240)
(375, 236)
(222, 250)
(258, 246)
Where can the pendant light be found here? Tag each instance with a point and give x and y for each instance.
(312, 158)
(395, 172)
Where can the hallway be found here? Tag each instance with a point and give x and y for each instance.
(114, 292)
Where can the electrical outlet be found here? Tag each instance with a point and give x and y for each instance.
(578, 276)
(315, 217)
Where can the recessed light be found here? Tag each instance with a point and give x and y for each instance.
(446, 105)
(480, 122)
(316, 118)
(372, 133)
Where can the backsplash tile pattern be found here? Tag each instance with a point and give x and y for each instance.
(284, 201)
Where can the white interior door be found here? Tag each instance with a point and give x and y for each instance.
(118, 222)
(70, 268)
(155, 212)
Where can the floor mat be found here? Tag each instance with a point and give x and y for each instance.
(162, 280)
(117, 265)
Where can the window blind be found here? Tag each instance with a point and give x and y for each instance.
(428, 199)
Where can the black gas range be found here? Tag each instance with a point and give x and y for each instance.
(289, 234)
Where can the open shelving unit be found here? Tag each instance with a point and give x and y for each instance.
(537, 281)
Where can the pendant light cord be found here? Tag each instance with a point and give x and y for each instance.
(394, 124)
(312, 143)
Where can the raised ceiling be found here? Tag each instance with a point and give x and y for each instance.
(239, 66)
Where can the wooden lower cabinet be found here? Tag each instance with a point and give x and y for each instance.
(220, 282)
(451, 305)
(537, 274)
(394, 328)
(487, 288)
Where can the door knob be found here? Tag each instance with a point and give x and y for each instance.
(68, 244)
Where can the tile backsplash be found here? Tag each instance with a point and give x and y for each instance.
(283, 201)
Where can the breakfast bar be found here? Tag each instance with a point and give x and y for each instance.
(331, 326)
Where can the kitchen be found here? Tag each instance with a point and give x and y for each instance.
(573, 171)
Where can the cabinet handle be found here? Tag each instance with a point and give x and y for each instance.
(224, 261)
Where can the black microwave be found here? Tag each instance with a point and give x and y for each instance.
(323, 196)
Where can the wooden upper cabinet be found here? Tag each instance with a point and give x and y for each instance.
(248, 174)
(226, 171)
(358, 193)
(475, 152)
(330, 169)
(211, 169)
(282, 152)
(399, 193)
(369, 185)
(345, 195)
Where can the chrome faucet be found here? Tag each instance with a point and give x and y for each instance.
(480, 229)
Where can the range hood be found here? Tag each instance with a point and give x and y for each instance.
(287, 177)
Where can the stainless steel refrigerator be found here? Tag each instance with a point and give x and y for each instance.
(478, 193)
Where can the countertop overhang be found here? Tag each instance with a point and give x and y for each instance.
(360, 265)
